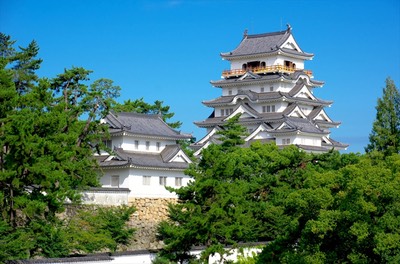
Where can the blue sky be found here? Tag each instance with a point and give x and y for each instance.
(169, 50)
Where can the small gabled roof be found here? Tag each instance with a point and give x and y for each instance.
(303, 125)
(327, 121)
(146, 160)
(142, 124)
(264, 44)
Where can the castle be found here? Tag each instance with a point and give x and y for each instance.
(268, 85)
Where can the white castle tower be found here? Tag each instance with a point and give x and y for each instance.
(268, 85)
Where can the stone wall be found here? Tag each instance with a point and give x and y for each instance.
(149, 213)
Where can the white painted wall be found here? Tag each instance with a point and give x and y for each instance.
(154, 190)
(109, 198)
(128, 143)
(307, 140)
(132, 179)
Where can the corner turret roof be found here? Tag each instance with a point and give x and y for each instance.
(144, 160)
(142, 124)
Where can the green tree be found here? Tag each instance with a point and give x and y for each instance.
(232, 134)
(48, 128)
(226, 202)
(95, 228)
(385, 135)
(140, 106)
(344, 214)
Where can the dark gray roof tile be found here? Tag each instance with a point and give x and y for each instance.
(141, 159)
(142, 124)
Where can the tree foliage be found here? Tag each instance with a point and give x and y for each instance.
(140, 106)
(385, 135)
(325, 208)
(48, 131)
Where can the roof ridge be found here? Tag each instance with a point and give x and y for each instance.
(260, 35)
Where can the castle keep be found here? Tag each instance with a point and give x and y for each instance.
(269, 86)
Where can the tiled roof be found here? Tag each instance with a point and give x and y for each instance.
(335, 144)
(263, 43)
(169, 152)
(264, 78)
(264, 97)
(147, 160)
(142, 124)
(259, 118)
(312, 148)
(303, 125)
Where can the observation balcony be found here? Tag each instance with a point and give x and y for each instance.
(267, 69)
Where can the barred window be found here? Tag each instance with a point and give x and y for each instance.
(178, 181)
(163, 180)
(146, 180)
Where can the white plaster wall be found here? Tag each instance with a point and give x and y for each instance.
(281, 106)
(128, 143)
(279, 140)
(105, 198)
(307, 140)
(132, 179)
(284, 87)
(154, 190)
(123, 174)
(225, 91)
(116, 141)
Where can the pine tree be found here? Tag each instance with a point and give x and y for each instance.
(46, 152)
(385, 135)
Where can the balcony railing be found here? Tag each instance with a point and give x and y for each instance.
(267, 69)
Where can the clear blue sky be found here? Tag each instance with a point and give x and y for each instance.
(169, 50)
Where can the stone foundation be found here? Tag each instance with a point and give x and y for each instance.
(149, 213)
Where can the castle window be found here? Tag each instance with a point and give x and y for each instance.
(147, 145)
(262, 89)
(230, 92)
(158, 144)
(136, 144)
(222, 112)
(271, 88)
(115, 181)
(108, 143)
(268, 108)
(286, 141)
(263, 109)
(178, 181)
(146, 180)
(273, 108)
(262, 65)
(226, 111)
(163, 180)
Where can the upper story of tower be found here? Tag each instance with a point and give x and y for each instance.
(276, 52)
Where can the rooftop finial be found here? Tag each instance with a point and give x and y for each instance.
(245, 33)
(289, 28)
